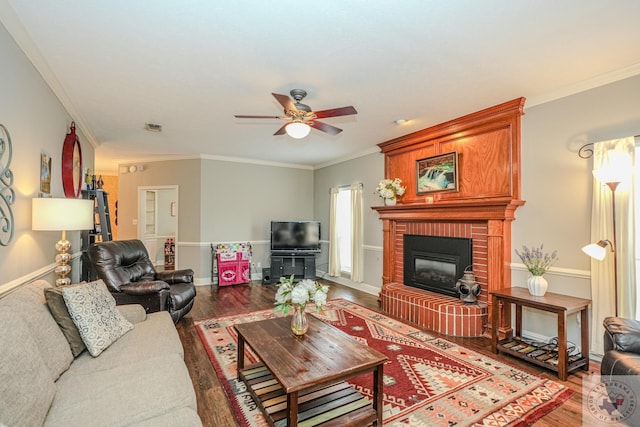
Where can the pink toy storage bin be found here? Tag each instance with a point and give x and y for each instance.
(231, 263)
(233, 268)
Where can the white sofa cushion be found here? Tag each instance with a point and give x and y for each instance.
(26, 389)
(93, 310)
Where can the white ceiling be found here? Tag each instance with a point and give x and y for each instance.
(192, 65)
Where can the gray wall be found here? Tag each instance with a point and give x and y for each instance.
(220, 201)
(368, 170)
(557, 184)
(37, 122)
(239, 200)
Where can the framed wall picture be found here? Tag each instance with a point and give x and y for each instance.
(45, 174)
(437, 173)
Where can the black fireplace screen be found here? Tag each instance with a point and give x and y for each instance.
(435, 263)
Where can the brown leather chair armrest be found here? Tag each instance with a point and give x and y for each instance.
(176, 276)
(144, 288)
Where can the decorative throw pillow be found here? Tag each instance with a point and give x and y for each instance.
(59, 311)
(93, 310)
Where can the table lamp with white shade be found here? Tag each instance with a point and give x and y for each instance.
(59, 214)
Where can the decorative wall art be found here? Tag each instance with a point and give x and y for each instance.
(45, 175)
(437, 173)
(72, 164)
(7, 194)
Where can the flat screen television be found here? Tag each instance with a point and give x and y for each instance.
(295, 237)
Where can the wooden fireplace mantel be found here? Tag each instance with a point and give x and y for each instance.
(487, 144)
(471, 210)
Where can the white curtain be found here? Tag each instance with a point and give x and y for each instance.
(357, 262)
(334, 247)
(602, 272)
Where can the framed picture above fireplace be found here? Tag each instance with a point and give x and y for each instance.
(437, 173)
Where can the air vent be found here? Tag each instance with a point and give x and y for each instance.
(153, 127)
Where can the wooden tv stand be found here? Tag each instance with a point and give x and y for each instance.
(302, 266)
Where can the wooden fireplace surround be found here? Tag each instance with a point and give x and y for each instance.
(489, 192)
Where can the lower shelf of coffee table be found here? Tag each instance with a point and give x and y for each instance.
(330, 405)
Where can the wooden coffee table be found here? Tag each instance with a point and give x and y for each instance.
(300, 380)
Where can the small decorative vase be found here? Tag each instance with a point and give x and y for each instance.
(537, 285)
(299, 324)
(390, 202)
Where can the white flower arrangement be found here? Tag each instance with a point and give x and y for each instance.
(390, 188)
(291, 294)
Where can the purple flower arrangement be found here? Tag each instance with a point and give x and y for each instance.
(537, 261)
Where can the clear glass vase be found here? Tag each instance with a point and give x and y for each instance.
(299, 324)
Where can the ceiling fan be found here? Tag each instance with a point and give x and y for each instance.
(301, 117)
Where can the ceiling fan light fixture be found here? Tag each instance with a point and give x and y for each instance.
(297, 130)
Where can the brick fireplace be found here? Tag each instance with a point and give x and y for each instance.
(487, 144)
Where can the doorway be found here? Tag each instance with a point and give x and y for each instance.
(158, 221)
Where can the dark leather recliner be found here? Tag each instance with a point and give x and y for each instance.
(621, 347)
(126, 269)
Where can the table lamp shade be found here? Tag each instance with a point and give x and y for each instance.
(63, 215)
(57, 214)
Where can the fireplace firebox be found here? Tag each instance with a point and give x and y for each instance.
(435, 263)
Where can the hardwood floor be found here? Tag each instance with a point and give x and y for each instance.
(212, 301)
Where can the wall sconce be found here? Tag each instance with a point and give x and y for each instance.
(131, 168)
(136, 168)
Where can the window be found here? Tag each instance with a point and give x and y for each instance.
(343, 228)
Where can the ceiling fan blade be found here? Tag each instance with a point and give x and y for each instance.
(240, 116)
(324, 127)
(282, 130)
(285, 101)
(335, 112)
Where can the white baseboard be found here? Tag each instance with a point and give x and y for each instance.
(361, 286)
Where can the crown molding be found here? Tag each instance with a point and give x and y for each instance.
(372, 150)
(592, 83)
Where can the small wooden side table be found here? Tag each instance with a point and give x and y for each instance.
(562, 305)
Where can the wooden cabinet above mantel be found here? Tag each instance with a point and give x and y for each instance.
(488, 147)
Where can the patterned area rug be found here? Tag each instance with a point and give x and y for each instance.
(428, 381)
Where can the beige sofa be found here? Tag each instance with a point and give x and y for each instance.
(141, 379)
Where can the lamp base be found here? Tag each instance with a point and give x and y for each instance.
(63, 281)
(63, 258)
